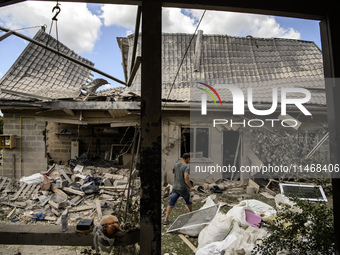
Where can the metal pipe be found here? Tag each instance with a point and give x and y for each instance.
(62, 54)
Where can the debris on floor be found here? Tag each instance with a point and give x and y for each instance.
(87, 192)
(236, 229)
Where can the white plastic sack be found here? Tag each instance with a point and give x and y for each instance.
(245, 242)
(238, 213)
(217, 248)
(33, 179)
(258, 207)
(194, 231)
(282, 200)
(216, 231)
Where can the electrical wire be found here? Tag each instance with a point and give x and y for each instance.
(186, 51)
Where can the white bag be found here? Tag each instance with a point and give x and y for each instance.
(33, 179)
(216, 231)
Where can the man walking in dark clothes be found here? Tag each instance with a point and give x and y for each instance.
(181, 187)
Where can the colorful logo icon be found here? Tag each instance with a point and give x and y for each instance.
(209, 93)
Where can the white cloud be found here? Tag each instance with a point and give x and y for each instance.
(175, 20)
(119, 15)
(1, 74)
(78, 28)
(240, 24)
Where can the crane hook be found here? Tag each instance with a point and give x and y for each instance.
(58, 11)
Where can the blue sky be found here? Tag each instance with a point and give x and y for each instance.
(93, 29)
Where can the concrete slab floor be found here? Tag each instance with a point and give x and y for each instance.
(42, 250)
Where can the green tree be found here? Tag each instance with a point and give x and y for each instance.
(308, 231)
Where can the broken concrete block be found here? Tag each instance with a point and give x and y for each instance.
(120, 182)
(113, 176)
(105, 197)
(20, 204)
(43, 200)
(107, 182)
(221, 187)
(250, 190)
(61, 184)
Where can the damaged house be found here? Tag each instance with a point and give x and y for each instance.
(52, 112)
(245, 62)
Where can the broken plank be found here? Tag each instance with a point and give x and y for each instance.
(11, 213)
(99, 209)
(255, 185)
(53, 204)
(108, 192)
(24, 193)
(76, 200)
(61, 171)
(120, 187)
(55, 212)
(29, 192)
(267, 195)
(187, 242)
(59, 192)
(50, 218)
(73, 191)
(114, 176)
(3, 182)
(19, 192)
(81, 208)
(37, 189)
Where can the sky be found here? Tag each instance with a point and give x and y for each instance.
(92, 30)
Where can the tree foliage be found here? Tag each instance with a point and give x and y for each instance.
(308, 231)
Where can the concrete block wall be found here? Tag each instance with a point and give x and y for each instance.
(29, 156)
(59, 145)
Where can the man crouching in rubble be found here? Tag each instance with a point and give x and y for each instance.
(180, 187)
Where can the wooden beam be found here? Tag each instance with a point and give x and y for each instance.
(118, 113)
(99, 209)
(92, 105)
(187, 242)
(307, 9)
(330, 38)
(52, 235)
(135, 39)
(151, 150)
(134, 71)
(69, 112)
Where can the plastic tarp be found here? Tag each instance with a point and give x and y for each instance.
(237, 240)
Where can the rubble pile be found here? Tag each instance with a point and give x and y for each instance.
(85, 192)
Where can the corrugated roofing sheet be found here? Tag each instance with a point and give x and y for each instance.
(39, 72)
(262, 63)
